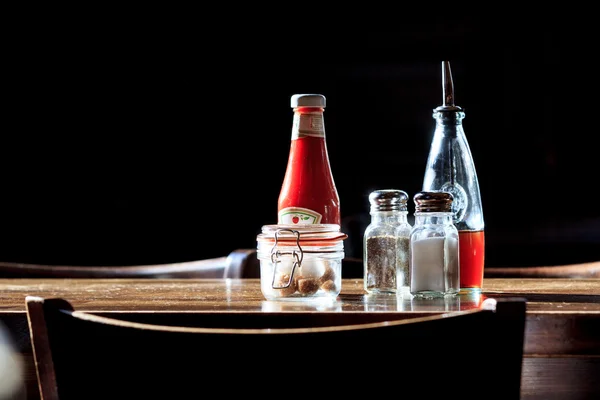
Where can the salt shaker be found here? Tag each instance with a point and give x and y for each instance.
(434, 256)
(386, 241)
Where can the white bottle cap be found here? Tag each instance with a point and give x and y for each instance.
(308, 100)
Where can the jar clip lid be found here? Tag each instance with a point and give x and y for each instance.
(276, 254)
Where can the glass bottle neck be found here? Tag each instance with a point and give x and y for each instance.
(449, 123)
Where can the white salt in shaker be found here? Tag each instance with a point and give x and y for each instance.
(434, 260)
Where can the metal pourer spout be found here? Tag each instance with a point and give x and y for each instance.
(447, 89)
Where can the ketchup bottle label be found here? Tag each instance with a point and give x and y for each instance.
(308, 124)
(298, 216)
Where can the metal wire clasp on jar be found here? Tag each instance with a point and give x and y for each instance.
(300, 261)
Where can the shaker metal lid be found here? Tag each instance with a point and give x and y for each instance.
(308, 100)
(433, 201)
(388, 200)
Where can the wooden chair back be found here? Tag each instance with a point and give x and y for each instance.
(239, 263)
(79, 355)
(575, 271)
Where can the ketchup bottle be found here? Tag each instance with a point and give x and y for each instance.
(308, 193)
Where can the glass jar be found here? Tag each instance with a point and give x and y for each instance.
(299, 262)
(434, 258)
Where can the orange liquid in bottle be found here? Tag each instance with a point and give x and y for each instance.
(471, 253)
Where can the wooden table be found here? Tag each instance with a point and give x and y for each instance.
(562, 341)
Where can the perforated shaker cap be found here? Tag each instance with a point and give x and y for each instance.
(388, 200)
(308, 100)
(434, 201)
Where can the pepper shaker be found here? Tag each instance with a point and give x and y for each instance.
(386, 240)
(434, 257)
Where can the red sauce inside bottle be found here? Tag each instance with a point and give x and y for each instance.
(471, 255)
(308, 181)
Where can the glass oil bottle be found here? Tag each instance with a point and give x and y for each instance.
(450, 168)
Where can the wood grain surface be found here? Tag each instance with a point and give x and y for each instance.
(562, 341)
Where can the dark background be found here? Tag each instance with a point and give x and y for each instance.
(128, 145)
